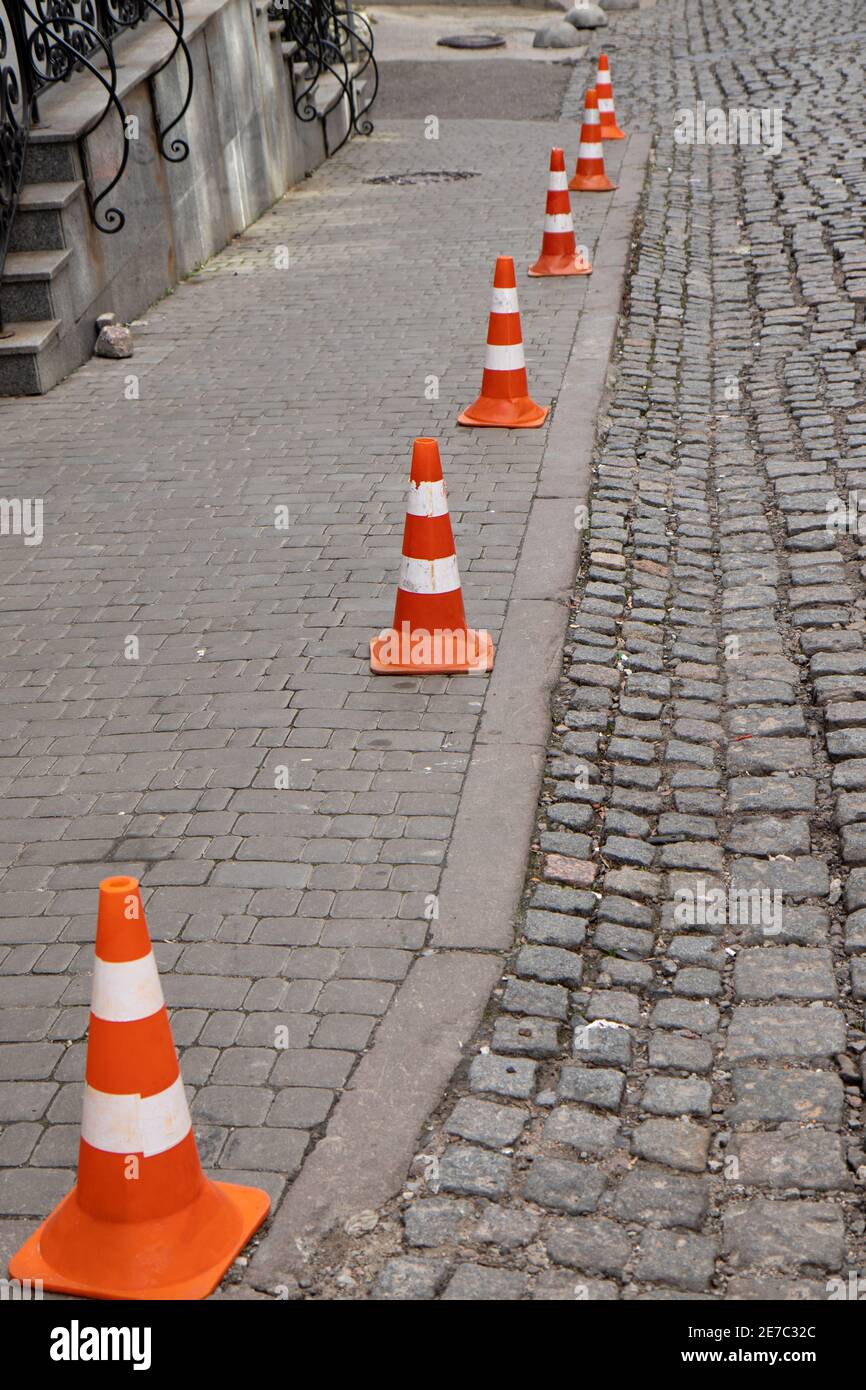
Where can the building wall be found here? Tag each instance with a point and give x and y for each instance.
(245, 150)
(247, 147)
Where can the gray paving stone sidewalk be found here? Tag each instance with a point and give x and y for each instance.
(666, 1099)
(287, 813)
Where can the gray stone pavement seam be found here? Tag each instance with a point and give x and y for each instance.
(361, 1160)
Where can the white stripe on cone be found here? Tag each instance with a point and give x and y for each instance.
(558, 222)
(590, 151)
(427, 499)
(126, 990)
(504, 302)
(504, 357)
(590, 116)
(605, 104)
(145, 1125)
(558, 181)
(428, 576)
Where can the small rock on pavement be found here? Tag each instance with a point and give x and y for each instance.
(556, 35)
(114, 341)
(586, 16)
(361, 1223)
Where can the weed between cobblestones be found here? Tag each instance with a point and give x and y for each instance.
(709, 728)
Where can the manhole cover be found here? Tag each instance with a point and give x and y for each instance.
(472, 41)
(425, 176)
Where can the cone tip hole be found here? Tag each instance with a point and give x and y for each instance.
(122, 884)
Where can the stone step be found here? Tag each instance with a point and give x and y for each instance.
(52, 161)
(329, 90)
(50, 195)
(27, 287)
(38, 222)
(27, 366)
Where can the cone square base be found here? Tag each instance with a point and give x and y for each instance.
(560, 265)
(200, 1252)
(383, 663)
(520, 414)
(612, 132)
(592, 183)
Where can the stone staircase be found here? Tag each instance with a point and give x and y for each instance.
(42, 295)
(324, 135)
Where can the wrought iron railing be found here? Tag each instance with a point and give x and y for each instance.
(332, 40)
(44, 42)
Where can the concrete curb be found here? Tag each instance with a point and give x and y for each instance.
(370, 1141)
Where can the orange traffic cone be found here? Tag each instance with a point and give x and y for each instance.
(142, 1222)
(504, 401)
(429, 632)
(604, 91)
(559, 254)
(589, 176)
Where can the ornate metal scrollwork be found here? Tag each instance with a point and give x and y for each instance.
(356, 27)
(61, 42)
(43, 43)
(330, 41)
(14, 124)
(177, 152)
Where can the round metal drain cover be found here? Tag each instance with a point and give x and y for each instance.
(425, 176)
(472, 41)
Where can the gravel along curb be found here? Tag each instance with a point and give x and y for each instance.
(362, 1160)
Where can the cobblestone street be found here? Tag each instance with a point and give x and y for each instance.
(658, 1106)
(664, 1097)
